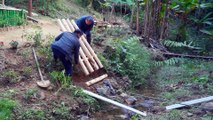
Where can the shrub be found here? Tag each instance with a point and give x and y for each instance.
(130, 58)
(6, 106)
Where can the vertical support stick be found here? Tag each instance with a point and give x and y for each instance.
(30, 5)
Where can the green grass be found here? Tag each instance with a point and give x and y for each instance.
(6, 107)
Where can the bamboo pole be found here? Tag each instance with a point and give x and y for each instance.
(85, 49)
(66, 25)
(61, 25)
(98, 79)
(114, 103)
(187, 103)
(81, 52)
(89, 47)
(70, 25)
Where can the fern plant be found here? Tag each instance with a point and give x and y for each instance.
(171, 61)
(170, 43)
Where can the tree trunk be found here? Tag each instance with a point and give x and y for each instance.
(165, 22)
(132, 16)
(137, 17)
(3, 2)
(30, 8)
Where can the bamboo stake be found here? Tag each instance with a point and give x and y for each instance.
(61, 25)
(114, 103)
(88, 46)
(98, 79)
(85, 49)
(86, 60)
(187, 103)
(66, 25)
(70, 25)
(81, 52)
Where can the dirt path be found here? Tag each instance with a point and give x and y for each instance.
(48, 26)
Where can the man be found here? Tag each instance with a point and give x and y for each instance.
(85, 24)
(65, 46)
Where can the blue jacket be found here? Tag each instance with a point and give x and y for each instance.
(68, 44)
(83, 26)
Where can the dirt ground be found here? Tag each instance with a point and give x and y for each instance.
(48, 26)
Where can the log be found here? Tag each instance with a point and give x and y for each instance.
(188, 103)
(89, 47)
(114, 103)
(98, 79)
(189, 56)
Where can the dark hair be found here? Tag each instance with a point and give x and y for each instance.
(90, 18)
(77, 31)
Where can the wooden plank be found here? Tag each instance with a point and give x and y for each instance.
(114, 102)
(88, 47)
(188, 103)
(98, 79)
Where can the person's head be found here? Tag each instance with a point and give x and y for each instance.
(89, 20)
(78, 32)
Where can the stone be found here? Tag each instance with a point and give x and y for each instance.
(147, 104)
(189, 114)
(42, 95)
(131, 100)
(123, 95)
(83, 117)
(207, 106)
(103, 90)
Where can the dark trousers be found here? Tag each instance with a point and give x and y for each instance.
(62, 57)
(88, 36)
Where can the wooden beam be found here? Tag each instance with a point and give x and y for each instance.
(114, 102)
(98, 79)
(188, 103)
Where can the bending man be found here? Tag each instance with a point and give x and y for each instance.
(65, 46)
(85, 24)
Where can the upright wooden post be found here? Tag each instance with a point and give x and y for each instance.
(30, 5)
(3, 2)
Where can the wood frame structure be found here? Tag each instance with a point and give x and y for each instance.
(87, 58)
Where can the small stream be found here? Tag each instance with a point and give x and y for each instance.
(144, 96)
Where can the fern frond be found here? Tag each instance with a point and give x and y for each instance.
(170, 43)
(171, 61)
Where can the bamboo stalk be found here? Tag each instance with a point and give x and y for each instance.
(114, 102)
(64, 22)
(88, 46)
(187, 103)
(98, 79)
(70, 25)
